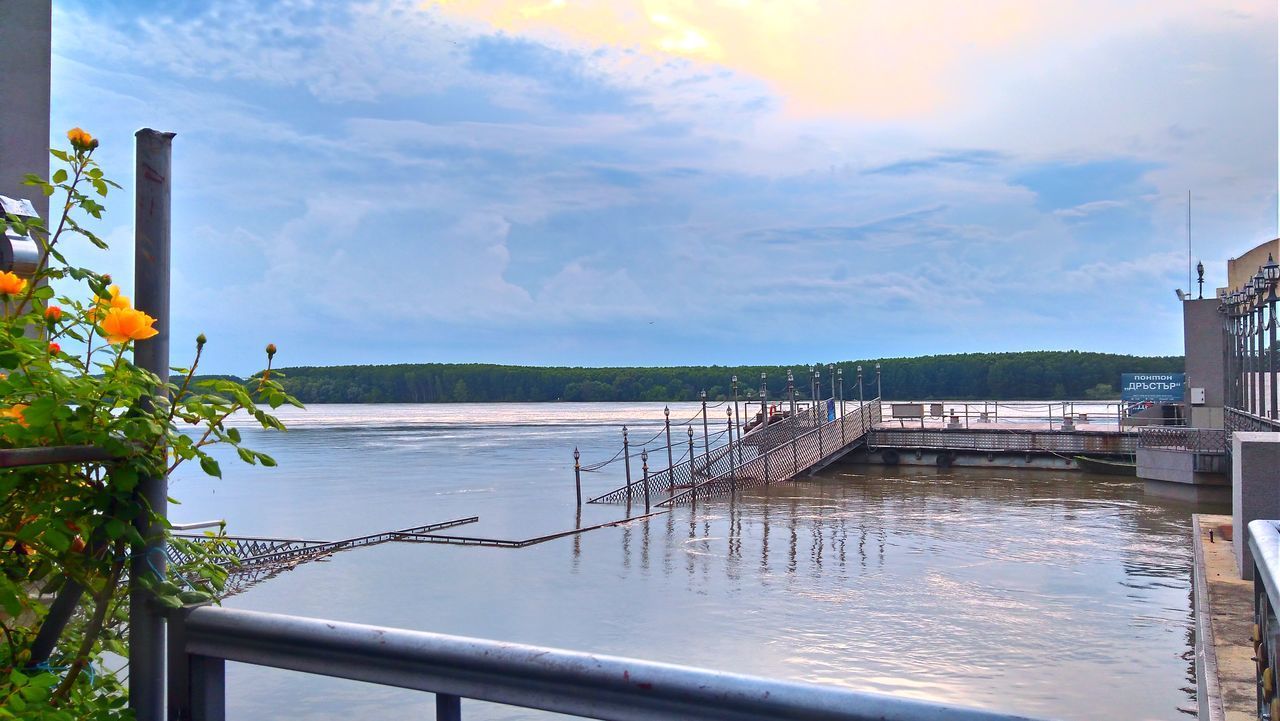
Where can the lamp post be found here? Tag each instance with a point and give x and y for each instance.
(1200, 276)
(1272, 272)
(840, 385)
(764, 400)
(644, 460)
(831, 376)
(860, 398)
(626, 463)
(1250, 333)
(671, 463)
(791, 392)
(577, 476)
(693, 479)
(819, 419)
(879, 392)
(1259, 287)
(733, 467)
(706, 437)
(736, 420)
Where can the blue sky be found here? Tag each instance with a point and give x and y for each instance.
(652, 182)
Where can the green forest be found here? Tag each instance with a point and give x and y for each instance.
(1036, 375)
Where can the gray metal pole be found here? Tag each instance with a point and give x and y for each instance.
(879, 389)
(831, 373)
(577, 476)
(26, 31)
(706, 436)
(693, 480)
(733, 467)
(791, 391)
(1271, 355)
(644, 459)
(737, 422)
(671, 463)
(764, 405)
(151, 291)
(840, 385)
(861, 400)
(626, 462)
(1262, 404)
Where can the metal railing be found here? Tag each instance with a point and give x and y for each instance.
(1006, 441)
(1236, 419)
(203, 639)
(1197, 440)
(1264, 545)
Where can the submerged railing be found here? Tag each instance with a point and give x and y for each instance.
(203, 639)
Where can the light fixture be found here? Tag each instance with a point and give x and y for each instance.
(1272, 269)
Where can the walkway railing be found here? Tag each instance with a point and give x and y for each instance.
(1196, 440)
(803, 452)
(1236, 419)
(1006, 440)
(203, 639)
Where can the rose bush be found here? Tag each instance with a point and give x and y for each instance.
(71, 528)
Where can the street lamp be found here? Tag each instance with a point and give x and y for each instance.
(860, 399)
(879, 393)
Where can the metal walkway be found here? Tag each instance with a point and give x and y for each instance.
(803, 443)
(251, 559)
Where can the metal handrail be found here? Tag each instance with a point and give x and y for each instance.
(1201, 440)
(52, 455)
(1236, 419)
(454, 667)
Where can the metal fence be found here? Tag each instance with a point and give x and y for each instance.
(1198, 440)
(202, 639)
(1236, 419)
(1006, 441)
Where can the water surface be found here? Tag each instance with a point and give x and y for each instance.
(1055, 594)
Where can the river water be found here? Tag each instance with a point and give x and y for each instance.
(1053, 594)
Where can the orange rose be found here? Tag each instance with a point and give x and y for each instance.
(114, 301)
(14, 412)
(53, 314)
(54, 349)
(125, 324)
(80, 140)
(11, 284)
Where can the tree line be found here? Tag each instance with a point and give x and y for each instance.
(1035, 375)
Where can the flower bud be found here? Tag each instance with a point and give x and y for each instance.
(53, 314)
(271, 350)
(54, 349)
(200, 341)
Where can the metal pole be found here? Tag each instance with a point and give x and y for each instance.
(577, 476)
(693, 480)
(1271, 354)
(791, 391)
(831, 373)
(819, 417)
(879, 390)
(861, 400)
(151, 277)
(1262, 403)
(840, 384)
(626, 461)
(644, 459)
(733, 467)
(671, 464)
(736, 420)
(706, 436)
(764, 404)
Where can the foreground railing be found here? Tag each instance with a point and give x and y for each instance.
(202, 639)
(1264, 545)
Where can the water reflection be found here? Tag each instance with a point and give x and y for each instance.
(1061, 596)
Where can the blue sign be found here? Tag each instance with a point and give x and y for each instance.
(831, 409)
(1158, 387)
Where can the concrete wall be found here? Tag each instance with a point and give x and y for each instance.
(1242, 268)
(1175, 466)
(25, 36)
(1202, 339)
(1255, 488)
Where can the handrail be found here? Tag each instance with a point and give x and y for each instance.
(51, 455)
(454, 667)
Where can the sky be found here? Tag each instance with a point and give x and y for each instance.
(665, 182)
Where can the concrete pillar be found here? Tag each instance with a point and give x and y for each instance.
(1255, 488)
(25, 40)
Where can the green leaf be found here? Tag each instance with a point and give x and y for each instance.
(60, 175)
(210, 466)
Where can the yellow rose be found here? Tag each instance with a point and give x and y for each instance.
(122, 325)
(80, 140)
(11, 284)
(15, 412)
(114, 301)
